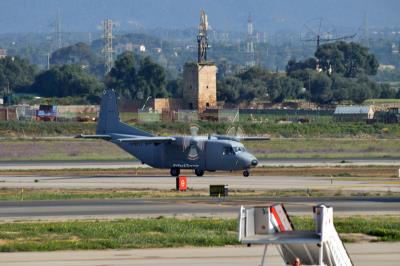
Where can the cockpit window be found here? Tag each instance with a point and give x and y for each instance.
(228, 151)
(239, 149)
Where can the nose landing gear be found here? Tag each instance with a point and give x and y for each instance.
(246, 173)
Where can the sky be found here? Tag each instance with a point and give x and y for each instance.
(268, 15)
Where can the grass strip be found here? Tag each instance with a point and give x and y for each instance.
(15, 194)
(344, 170)
(276, 148)
(160, 233)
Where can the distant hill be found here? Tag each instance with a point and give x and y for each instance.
(269, 15)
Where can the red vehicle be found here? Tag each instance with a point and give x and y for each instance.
(46, 113)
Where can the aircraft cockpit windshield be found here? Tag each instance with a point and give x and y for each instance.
(228, 151)
(239, 149)
(233, 150)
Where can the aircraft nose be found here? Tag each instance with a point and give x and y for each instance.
(254, 162)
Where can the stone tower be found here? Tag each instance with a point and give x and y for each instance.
(200, 79)
(199, 86)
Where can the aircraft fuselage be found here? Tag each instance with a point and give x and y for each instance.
(193, 153)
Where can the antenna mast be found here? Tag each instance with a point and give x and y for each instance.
(202, 39)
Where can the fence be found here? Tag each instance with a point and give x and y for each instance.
(228, 115)
(188, 116)
(148, 117)
(25, 112)
(276, 115)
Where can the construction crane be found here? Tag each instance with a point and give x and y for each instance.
(202, 39)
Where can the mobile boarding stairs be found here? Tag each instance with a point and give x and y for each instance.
(271, 225)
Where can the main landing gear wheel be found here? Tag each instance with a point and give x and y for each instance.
(175, 171)
(246, 173)
(199, 172)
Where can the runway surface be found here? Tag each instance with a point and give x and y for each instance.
(258, 183)
(229, 207)
(26, 165)
(367, 254)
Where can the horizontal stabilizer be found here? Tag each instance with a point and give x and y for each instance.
(140, 139)
(105, 137)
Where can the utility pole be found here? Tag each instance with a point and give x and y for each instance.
(108, 50)
(90, 38)
(202, 39)
(48, 61)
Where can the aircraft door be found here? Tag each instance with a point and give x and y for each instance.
(220, 156)
(159, 155)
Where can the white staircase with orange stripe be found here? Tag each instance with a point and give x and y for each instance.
(271, 225)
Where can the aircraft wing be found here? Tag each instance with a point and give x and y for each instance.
(105, 137)
(139, 139)
(253, 138)
(250, 138)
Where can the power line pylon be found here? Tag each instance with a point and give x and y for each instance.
(57, 31)
(365, 31)
(251, 59)
(108, 50)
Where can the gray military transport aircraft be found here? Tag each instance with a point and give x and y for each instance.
(201, 153)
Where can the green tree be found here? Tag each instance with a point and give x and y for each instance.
(321, 91)
(229, 89)
(137, 80)
(387, 92)
(64, 81)
(79, 54)
(294, 65)
(281, 88)
(153, 79)
(16, 74)
(359, 94)
(123, 77)
(341, 87)
(174, 88)
(274, 89)
(255, 73)
(348, 59)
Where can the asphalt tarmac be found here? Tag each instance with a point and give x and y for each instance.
(259, 183)
(26, 165)
(366, 254)
(189, 207)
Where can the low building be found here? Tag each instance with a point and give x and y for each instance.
(8, 113)
(356, 113)
(166, 104)
(386, 67)
(3, 53)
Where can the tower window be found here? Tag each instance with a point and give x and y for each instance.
(191, 106)
(207, 104)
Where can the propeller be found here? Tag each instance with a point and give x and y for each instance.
(194, 130)
(194, 144)
(237, 134)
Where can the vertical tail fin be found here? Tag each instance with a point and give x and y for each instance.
(109, 121)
